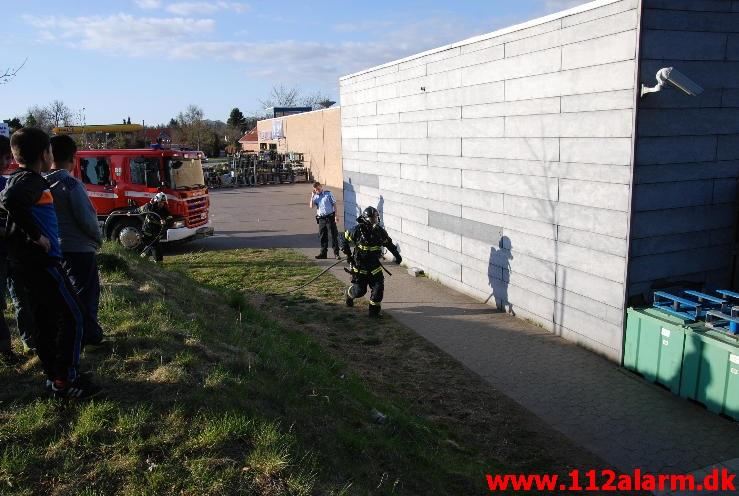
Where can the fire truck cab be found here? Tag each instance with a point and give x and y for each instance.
(120, 179)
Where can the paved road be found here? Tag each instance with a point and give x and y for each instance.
(627, 422)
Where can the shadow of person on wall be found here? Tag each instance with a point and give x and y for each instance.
(499, 270)
(351, 209)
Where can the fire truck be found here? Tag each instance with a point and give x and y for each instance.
(117, 180)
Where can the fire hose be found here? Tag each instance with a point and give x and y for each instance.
(323, 272)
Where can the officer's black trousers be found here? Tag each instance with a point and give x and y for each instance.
(326, 224)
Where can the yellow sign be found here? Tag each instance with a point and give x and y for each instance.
(110, 128)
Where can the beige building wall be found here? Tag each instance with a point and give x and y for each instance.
(317, 135)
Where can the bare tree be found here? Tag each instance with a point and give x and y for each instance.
(59, 114)
(317, 101)
(281, 96)
(191, 126)
(10, 73)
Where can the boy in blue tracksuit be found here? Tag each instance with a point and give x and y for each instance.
(34, 254)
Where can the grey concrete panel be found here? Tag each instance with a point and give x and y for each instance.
(683, 45)
(605, 11)
(611, 151)
(605, 124)
(688, 122)
(594, 287)
(671, 98)
(597, 220)
(676, 20)
(685, 172)
(725, 190)
(660, 196)
(651, 267)
(357, 178)
(402, 158)
(694, 5)
(604, 26)
(728, 147)
(514, 67)
(730, 97)
(489, 127)
(732, 49)
(607, 77)
(595, 194)
(447, 239)
(598, 333)
(437, 175)
(398, 76)
(546, 149)
(615, 174)
(431, 115)
(373, 120)
(511, 184)
(675, 150)
(428, 59)
(604, 265)
(597, 242)
(483, 232)
(511, 222)
(446, 222)
(608, 100)
(523, 107)
(656, 245)
(682, 220)
(613, 48)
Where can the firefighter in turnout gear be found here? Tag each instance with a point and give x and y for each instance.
(154, 226)
(368, 238)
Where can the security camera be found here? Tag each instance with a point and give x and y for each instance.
(677, 79)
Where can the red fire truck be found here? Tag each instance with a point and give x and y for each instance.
(116, 180)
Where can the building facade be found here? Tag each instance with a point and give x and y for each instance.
(317, 135)
(523, 168)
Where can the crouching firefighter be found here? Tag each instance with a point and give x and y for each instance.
(368, 238)
(156, 218)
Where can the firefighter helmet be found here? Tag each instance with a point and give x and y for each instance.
(371, 215)
(159, 198)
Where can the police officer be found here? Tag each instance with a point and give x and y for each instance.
(156, 217)
(368, 237)
(325, 204)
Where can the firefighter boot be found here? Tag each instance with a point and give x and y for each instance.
(374, 310)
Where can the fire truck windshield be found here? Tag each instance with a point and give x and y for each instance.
(185, 173)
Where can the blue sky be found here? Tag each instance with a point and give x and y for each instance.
(149, 59)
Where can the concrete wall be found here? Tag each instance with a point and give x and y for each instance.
(317, 135)
(501, 165)
(687, 160)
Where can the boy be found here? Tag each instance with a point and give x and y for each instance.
(79, 231)
(6, 351)
(34, 253)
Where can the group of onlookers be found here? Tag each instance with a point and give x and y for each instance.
(48, 259)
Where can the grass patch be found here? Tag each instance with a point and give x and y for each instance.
(211, 389)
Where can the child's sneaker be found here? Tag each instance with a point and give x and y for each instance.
(79, 389)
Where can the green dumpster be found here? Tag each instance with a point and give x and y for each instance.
(710, 372)
(654, 344)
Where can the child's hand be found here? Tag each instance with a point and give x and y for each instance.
(44, 243)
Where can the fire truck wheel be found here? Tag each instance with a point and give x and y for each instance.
(127, 233)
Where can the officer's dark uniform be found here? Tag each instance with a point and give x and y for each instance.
(154, 226)
(368, 237)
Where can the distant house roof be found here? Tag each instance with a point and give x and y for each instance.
(152, 133)
(251, 136)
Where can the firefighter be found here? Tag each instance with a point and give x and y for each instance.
(156, 217)
(368, 238)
